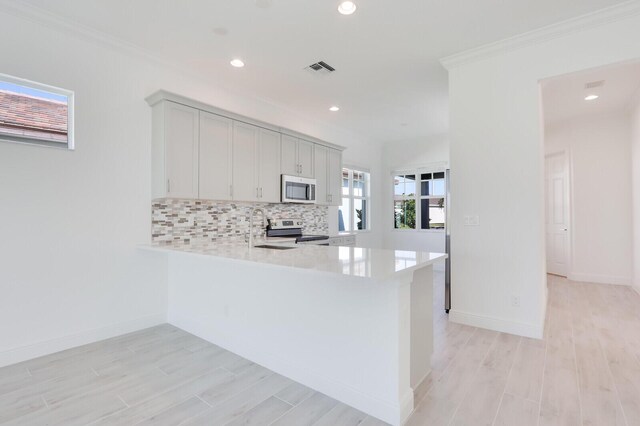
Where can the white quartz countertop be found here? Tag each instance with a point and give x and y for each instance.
(350, 261)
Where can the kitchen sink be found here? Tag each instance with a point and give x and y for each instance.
(274, 247)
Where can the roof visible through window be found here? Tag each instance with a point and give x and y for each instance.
(30, 114)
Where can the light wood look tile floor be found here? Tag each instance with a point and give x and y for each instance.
(586, 371)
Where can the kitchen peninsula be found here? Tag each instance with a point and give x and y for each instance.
(353, 323)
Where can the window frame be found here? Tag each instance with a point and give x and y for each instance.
(418, 171)
(24, 140)
(351, 197)
(404, 197)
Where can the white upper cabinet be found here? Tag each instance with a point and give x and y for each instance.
(289, 165)
(269, 166)
(199, 151)
(245, 176)
(256, 163)
(321, 158)
(297, 157)
(216, 134)
(328, 169)
(305, 158)
(175, 151)
(334, 177)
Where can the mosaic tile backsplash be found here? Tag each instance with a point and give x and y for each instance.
(200, 221)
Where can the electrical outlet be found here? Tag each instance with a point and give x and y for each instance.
(515, 301)
(472, 220)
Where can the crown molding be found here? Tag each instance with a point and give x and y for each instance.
(574, 25)
(55, 22)
(47, 19)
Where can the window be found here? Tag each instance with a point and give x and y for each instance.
(353, 214)
(419, 200)
(404, 201)
(34, 113)
(432, 191)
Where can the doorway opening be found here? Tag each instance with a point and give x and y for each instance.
(557, 208)
(592, 173)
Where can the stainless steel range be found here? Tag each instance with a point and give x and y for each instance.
(291, 229)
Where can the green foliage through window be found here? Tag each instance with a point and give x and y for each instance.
(418, 200)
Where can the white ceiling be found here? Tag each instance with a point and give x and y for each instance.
(563, 96)
(388, 81)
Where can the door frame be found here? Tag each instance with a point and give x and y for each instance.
(568, 171)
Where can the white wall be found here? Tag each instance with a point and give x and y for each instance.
(70, 221)
(498, 158)
(599, 148)
(635, 199)
(433, 151)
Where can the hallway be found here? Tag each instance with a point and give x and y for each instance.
(585, 372)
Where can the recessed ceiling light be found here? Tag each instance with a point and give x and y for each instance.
(237, 63)
(334, 108)
(591, 98)
(347, 7)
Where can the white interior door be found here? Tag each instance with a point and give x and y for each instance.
(557, 213)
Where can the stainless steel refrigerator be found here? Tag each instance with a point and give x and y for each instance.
(447, 242)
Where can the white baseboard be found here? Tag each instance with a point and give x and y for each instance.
(545, 305)
(388, 411)
(534, 331)
(599, 279)
(24, 353)
(407, 404)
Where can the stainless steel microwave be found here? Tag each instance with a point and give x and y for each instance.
(296, 189)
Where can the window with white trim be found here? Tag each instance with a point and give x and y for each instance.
(419, 200)
(35, 113)
(353, 214)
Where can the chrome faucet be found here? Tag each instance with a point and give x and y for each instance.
(264, 223)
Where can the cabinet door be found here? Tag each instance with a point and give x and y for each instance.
(181, 150)
(245, 179)
(215, 156)
(269, 166)
(289, 158)
(320, 160)
(335, 177)
(305, 158)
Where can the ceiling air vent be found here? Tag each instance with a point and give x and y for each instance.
(321, 67)
(594, 84)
